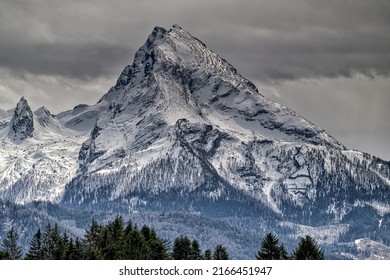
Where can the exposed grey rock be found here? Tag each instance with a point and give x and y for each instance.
(22, 123)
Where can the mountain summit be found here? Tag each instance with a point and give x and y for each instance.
(175, 78)
(208, 84)
(22, 123)
(182, 131)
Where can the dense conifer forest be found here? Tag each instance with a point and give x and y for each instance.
(120, 240)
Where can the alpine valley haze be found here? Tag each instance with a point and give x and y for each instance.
(184, 143)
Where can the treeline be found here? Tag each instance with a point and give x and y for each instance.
(119, 240)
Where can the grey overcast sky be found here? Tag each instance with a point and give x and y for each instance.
(329, 60)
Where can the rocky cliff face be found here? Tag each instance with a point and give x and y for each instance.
(22, 123)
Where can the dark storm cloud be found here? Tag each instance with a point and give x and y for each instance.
(267, 40)
(68, 60)
(301, 39)
(69, 39)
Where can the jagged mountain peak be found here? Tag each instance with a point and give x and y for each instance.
(22, 122)
(45, 118)
(43, 110)
(174, 48)
(178, 47)
(22, 104)
(180, 98)
(175, 76)
(22, 99)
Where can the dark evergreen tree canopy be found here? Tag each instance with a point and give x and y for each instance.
(91, 236)
(114, 241)
(36, 251)
(271, 249)
(207, 255)
(308, 249)
(181, 248)
(10, 248)
(195, 252)
(185, 249)
(4, 256)
(220, 253)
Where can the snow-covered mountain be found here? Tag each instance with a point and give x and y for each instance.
(181, 130)
(39, 152)
(183, 120)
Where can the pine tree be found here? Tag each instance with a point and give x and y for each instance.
(158, 249)
(70, 250)
(54, 245)
(63, 247)
(146, 232)
(135, 246)
(58, 249)
(207, 255)
(77, 252)
(308, 249)
(107, 245)
(117, 228)
(115, 232)
(195, 252)
(4, 256)
(92, 242)
(220, 253)
(271, 250)
(47, 243)
(10, 247)
(129, 227)
(92, 234)
(36, 251)
(181, 248)
(283, 253)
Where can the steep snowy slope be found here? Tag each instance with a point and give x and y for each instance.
(83, 117)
